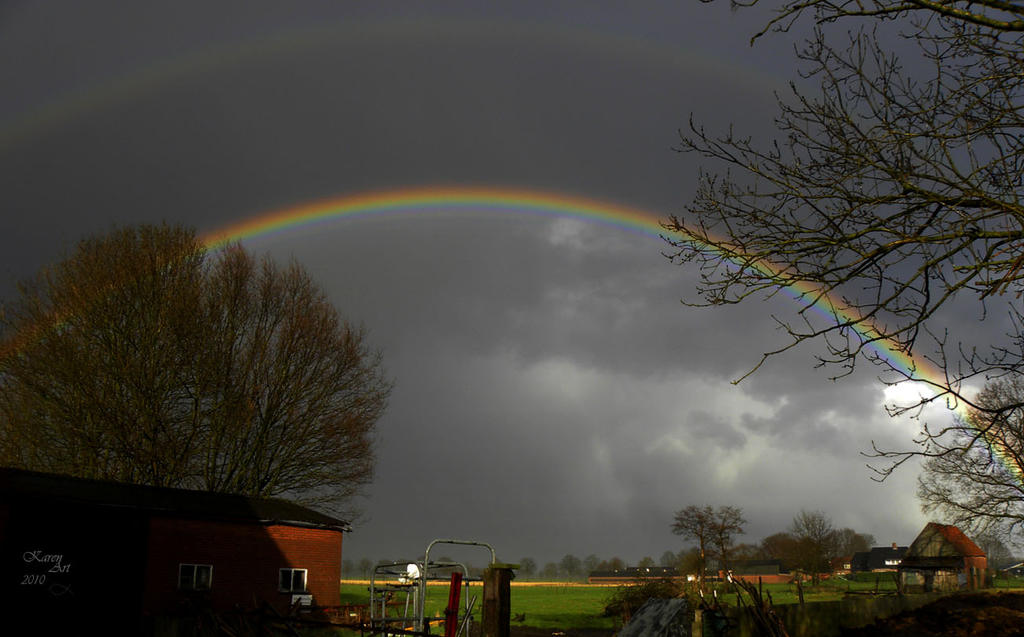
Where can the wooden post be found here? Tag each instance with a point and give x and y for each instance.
(497, 609)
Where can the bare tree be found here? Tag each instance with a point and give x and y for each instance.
(849, 542)
(713, 531)
(892, 193)
(549, 572)
(527, 566)
(779, 546)
(668, 558)
(142, 358)
(815, 542)
(970, 477)
(696, 523)
(991, 542)
(570, 566)
(728, 523)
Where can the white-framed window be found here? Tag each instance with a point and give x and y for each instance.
(195, 577)
(291, 580)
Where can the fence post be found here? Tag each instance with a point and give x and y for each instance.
(451, 613)
(497, 608)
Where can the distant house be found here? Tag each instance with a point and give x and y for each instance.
(631, 574)
(842, 565)
(878, 559)
(81, 552)
(942, 558)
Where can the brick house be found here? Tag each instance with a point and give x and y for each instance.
(942, 558)
(73, 549)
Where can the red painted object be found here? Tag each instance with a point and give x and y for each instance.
(451, 614)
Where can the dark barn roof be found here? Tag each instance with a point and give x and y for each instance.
(35, 486)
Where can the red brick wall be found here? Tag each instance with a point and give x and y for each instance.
(318, 551)
(245, 560)
(974, 569)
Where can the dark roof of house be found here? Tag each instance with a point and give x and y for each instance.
(37, 486)
(879, 555)
(876, 558)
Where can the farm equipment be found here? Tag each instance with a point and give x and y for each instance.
(399, 607)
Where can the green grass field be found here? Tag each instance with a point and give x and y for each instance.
(545, 606)
(564, 606)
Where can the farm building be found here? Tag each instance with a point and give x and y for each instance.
(116, 555)
(765, 571)
(878, 559)
(942, 558)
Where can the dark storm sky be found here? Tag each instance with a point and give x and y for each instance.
(552, 394)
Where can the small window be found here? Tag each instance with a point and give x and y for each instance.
(292, 580)
(195, 577)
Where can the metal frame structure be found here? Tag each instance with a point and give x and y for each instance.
(415, 590)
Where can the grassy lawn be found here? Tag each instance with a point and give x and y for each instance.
(563, 606)
(544, 605)
(560, 606)
(832, 589)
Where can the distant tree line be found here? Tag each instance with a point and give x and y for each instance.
(809, 544)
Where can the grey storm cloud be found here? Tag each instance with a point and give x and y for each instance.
(552, 393)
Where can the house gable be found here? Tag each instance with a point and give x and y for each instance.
(941, 544)
(943, 558)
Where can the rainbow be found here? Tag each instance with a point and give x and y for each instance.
(154, 75)
(502, 200)
(447, 199)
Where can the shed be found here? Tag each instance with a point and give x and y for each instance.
(115, 555)
(942, 558)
